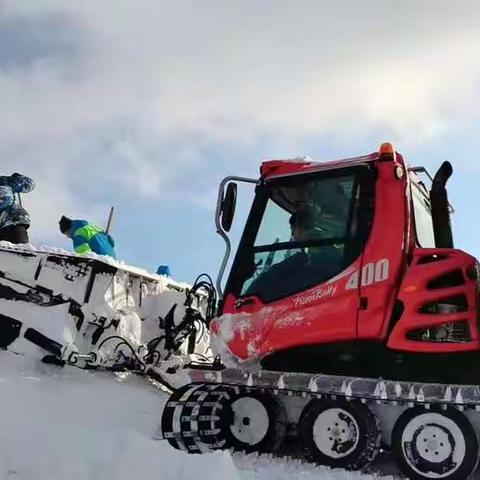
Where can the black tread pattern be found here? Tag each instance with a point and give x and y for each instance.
(191, 415)
(197, 419)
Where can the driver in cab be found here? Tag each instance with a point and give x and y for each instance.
(306, 267)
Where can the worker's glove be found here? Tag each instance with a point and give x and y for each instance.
(69, 352)
(20, 183)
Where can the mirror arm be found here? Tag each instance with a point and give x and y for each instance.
(221, 231)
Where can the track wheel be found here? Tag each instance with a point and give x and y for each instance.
(171, 424)
(254, 421)
(339, 434)
(435, 444)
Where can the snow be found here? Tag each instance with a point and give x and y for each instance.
(77, 425)
(92, 255)
(251, 330)
(71, 424)
(264, 467)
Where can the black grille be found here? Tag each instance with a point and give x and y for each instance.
(452, 332)
(431, 259)
(454, 278)
(455, 304)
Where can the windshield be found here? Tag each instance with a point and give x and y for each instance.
(423, 216)
(302, 230)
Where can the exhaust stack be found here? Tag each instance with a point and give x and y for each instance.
(442, 226)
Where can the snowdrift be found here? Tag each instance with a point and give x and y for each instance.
(68, 424)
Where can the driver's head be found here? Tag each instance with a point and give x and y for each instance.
(333, 201)
(302, 224)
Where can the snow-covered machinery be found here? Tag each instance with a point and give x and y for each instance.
(348, 320)
(92, 311)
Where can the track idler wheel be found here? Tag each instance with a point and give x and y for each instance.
(339, 434)
(440, 444)
(171, 424)
(253, 421)
(189, 419)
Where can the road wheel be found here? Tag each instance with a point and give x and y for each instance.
(253, 421)
(339, 434)
(435, 444)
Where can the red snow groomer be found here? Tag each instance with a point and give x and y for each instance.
(350, 320)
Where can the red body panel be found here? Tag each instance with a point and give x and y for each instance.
(358, 303)
(323, 314)
(272, 168)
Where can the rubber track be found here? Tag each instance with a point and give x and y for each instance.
(366, 390)
(190, 420)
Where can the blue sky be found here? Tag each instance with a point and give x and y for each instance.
(146, 106)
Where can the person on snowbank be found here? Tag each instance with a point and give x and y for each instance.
(14, 219)
(87, 237)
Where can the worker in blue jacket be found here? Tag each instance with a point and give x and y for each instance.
(14, 219)
(87, 237)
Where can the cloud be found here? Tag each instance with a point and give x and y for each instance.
(227, 71)
(105, 100)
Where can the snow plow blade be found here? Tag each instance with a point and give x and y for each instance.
(50, 299)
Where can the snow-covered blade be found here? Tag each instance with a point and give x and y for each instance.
(93, 304)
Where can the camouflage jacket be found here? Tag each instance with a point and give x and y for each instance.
(15, 214)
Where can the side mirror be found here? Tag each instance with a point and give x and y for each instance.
(229, 203)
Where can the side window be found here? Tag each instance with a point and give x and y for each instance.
(423, 217)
